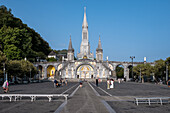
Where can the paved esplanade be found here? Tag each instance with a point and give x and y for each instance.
(84, 101)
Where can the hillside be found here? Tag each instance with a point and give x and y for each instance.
(18, 41)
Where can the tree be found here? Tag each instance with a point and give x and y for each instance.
(14, 68)
(159, 69)
(27, 67)
(167, 61)
(119, 72)
(52, 59)
(3, 59)
(144, 69)
(20, 68)
(18, 40)
(41, 55)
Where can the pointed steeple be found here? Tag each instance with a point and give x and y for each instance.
(85, 24)
(70, 48)
(99, 51)
(70, 52)
(99, 44)
(85, 46)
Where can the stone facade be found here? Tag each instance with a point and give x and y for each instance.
(85, 66)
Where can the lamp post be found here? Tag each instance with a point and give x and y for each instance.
(6, 76)
(132, 57)
(140, 74)
(38, 70)
(167, 70)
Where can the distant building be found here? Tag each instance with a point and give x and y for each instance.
(52, 54)
(62, 56)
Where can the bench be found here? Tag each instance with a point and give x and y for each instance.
(150, 100)
(32, 96)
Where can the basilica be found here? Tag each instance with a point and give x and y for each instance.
(85, 66)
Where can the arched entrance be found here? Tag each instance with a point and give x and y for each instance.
(58, 72)
(119, 71)
(130, 71)
(50, 71)
(85, 71)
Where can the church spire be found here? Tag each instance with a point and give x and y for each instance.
(70, 52)
(99, 51)
(85, 24)
(99, 44)
(85, 45)
(70, 45)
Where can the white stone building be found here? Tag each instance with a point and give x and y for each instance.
(85, 67)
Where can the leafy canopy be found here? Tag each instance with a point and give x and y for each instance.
(18, 41)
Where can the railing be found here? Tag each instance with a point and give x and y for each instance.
(32, 96)
(149, 100)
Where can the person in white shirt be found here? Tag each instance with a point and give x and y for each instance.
(111, 83)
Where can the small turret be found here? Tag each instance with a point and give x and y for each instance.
(70, 53)
(99, 51)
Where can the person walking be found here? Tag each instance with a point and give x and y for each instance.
(108, 84)
(55, 83)
(119, 80)
(61, 82)
(97, 82)
(5, 86)
(81, 83)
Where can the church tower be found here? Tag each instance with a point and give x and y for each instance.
(85, 46)
(99, 51)
(70, 52)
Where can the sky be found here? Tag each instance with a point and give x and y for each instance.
(139, 28)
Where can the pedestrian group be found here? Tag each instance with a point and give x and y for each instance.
(60, 83)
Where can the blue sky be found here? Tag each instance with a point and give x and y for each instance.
(139, 28)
